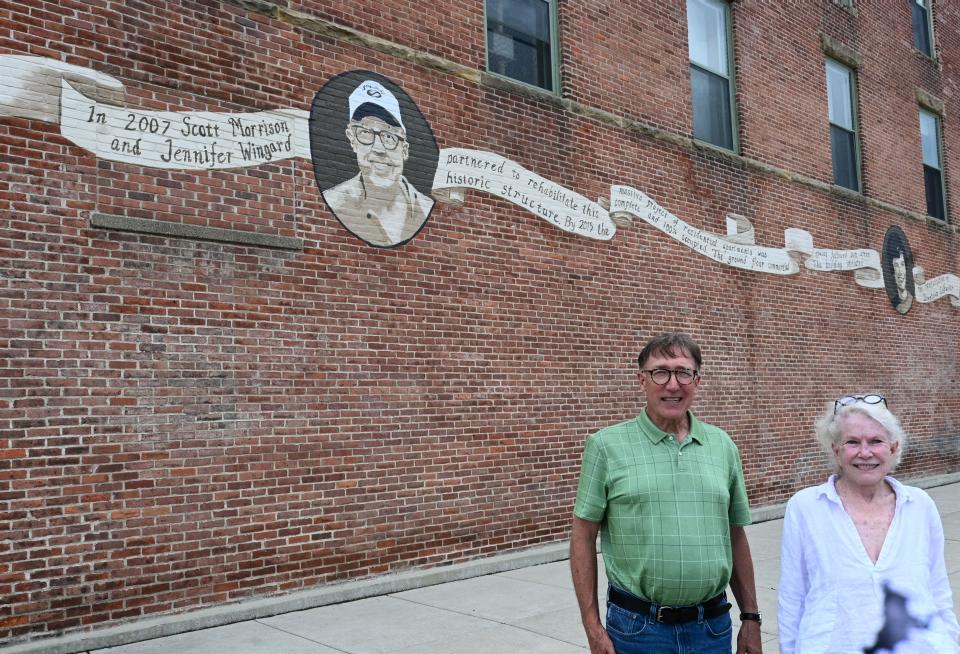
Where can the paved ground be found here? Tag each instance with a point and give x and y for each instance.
(529, 610)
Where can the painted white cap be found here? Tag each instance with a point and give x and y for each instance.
(371, 92)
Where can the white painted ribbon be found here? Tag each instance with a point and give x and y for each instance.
(460, 168)
(184, 140)
(90, 109)
(736, 249)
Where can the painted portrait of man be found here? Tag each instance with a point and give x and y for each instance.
(378, 202)
(897, 266)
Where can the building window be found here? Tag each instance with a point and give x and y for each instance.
(520, 41)
(843, 129)
(922, 26)
(932, 166)
(708, 30)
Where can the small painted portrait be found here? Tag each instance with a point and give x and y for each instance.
(897, 263)
(374, 157)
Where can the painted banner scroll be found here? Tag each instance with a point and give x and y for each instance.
(90, 108)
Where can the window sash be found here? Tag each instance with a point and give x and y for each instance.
(520, 41)
(921, 26)
(840, 95)
(843, 149)
(712, 115)
(930, 143)
(933, 189)
(930, 139)
(843, 129)
(711, 75)
(707, 32)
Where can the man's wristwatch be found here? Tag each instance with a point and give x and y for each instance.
(756, 617)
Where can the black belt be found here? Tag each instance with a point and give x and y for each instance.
(670, 614)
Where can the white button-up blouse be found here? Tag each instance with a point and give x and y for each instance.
(831, 595)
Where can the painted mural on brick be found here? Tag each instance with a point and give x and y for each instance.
(379, 170)
(898, 269)
(373, 157)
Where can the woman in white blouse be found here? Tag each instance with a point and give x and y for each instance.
(860, 542)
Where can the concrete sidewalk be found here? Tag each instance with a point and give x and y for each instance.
(528, 610)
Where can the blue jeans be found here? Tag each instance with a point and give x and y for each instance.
(640, 633)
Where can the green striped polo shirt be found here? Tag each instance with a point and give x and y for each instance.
(665, 509)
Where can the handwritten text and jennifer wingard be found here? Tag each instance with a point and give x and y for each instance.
(167, 139)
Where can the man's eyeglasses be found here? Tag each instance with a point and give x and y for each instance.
(661, 376)
(847, 400)
(366, 136)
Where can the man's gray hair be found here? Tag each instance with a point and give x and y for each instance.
(828, 427)
(672, 344)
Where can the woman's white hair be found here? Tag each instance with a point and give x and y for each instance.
(828, 427)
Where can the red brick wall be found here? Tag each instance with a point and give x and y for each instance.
(184, 423)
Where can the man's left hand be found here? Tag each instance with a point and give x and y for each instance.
(748, 640)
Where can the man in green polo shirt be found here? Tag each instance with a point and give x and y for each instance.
(666, 492)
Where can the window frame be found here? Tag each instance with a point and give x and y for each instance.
(854, 119)
(927, 9)
(938, 127)
(554, 24)
(730, 77)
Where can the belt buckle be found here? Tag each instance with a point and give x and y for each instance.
(660, 612)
